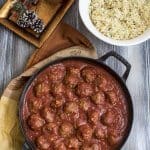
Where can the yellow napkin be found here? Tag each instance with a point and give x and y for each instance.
(10, 135)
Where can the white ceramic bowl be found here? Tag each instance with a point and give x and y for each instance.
(84, 13)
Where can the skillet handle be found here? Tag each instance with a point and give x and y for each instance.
(25, 146)
(121, 59)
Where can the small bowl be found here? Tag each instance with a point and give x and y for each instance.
(84, 13)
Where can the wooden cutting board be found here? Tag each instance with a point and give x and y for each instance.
(50, 14)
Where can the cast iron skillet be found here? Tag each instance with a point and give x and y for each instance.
(29, 145)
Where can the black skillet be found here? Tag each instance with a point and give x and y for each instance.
(29, 145)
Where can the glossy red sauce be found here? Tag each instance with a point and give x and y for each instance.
(75, 105)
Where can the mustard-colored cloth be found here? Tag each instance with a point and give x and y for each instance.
(10, 134)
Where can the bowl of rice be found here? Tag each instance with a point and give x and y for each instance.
(117, 22)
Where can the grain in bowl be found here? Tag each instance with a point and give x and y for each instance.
(120, 19)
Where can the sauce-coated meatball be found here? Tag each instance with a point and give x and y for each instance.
(84, 104)
(71, 81)
(71, 107)
(84, 89)
(70, 95)
(82, 120)
(36, 122)
(108, 118)
(73, 143)
(52, 137)
(98, 98)
(43, 78)
(112, 96)
(103, 84)
(96, 146)
(66, 129)
(58, 102)
(86, 147)
(42, 143)
(93, 146)
(42, 89)
(114, 139)
(49, 127)
(113, 118)
(58, 89)
(48, 115)
(59, 145)
(89, 74)
(93, 116)
(57, 73)
(35, 104)
(101, 132)
(73, 70)
(85, 133)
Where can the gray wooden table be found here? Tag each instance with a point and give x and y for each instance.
(14, 53)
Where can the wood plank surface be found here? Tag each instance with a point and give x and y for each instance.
(14, 52)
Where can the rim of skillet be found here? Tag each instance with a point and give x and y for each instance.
(98, 61)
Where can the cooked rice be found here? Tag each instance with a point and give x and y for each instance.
(120, 19)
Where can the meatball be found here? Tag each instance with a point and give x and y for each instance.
(70, 94)
(108, 118)
(59, 145)
(48, 115)
(100, 145)
(86, 147)
(57, 73)
(58, 89)
(93, 116)
(85, 104)
(96, 147)
(85, 133)
(71, 81)
(93, 146)
(42, 89)
(98, 98)
(58, 102)
(84, 90)
(73, 71)
(112, 97)
(103, 84)
(114, 139)
(115, 120)
(43, 77)
(46, 100)
(35, 122)
(82, 120)
(42, 142)
(73, 143)
(52, 137)
(89, 74)
(66, 129)
(35, 105)
(101, 132)
(50, 128)
(71, 107)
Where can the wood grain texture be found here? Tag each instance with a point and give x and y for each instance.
(14, 53)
